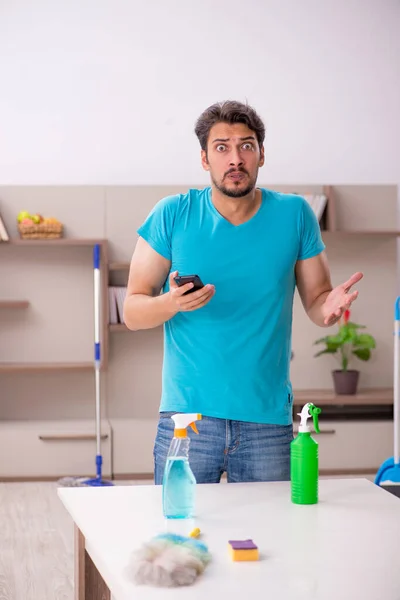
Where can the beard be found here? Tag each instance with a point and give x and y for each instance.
(235, 191)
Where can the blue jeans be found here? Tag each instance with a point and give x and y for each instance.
(245, 451)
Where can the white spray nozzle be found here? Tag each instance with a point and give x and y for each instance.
(309, 410)
(184, 420)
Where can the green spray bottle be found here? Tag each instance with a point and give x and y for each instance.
(304, 459)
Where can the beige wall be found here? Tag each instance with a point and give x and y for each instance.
(376, 258)
(59, 284)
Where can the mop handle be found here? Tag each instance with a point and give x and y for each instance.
(96, 265)
(396, 398)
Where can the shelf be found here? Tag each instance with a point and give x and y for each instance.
(118, 327)
(118, 266)
(56, 242)
(12, 367)
(359, 233)
(324, 397)
(14, 303)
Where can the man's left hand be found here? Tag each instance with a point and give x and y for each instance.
(339, 300)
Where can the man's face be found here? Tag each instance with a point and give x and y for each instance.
(233, 158)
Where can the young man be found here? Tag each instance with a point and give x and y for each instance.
(227, 346)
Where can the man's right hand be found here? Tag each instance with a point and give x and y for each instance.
(145, 306)
(188, 302)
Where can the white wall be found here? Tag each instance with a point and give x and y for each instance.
(107, 91)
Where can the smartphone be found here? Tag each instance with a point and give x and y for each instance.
(195, 279)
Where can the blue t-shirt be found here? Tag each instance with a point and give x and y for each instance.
(231, 358)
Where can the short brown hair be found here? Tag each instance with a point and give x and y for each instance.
(230, 112)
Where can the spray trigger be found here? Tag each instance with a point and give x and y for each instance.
(193, 426)
(309, 410)
(314, 411)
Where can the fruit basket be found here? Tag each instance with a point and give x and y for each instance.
(36, 227)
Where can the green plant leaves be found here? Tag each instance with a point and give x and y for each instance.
(326, 351)
(333, 340)
(347, 341)
(365, 340)
(362, 353)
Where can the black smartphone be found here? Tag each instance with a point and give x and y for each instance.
(195, 279)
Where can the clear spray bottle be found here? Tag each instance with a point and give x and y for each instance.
(179, 483)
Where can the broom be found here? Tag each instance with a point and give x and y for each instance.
(388, 475)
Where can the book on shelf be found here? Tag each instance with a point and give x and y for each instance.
(4, 237)
(116, 297)
(317, 203)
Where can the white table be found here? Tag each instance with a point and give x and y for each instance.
(345, 547)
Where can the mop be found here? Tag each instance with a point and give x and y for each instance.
(388, 475)
(98, 480)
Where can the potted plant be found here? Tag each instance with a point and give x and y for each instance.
(347, 343)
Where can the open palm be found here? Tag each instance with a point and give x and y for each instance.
(340, 299)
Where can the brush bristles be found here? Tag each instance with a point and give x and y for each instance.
(163, 563)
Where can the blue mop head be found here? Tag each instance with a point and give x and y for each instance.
(97, 482)
(388, 473)
(83, 482)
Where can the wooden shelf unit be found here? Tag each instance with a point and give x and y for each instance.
(359, 233)
(14, 304)
(118, 266)
(115, 327)
(324, 397)
(57, 242)
(114, 267)
(329, 220)
(68, 243)
(30, 366)
(117, 271)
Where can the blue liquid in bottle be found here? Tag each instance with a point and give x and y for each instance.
(179, 485)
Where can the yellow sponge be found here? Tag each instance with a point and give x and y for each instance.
(243, 550)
